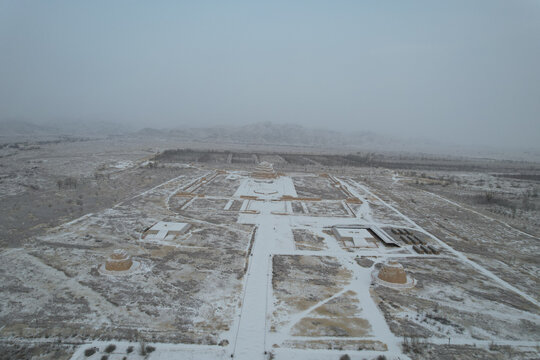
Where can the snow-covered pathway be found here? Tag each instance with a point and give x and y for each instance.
(250, 341)
(274, 237)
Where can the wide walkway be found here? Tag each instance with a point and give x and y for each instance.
(250, 343)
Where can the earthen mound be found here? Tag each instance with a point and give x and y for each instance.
(264, 170)
(119, 260)
(393, 272)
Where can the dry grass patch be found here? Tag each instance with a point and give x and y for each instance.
(373, 345)
(344, 305)
(343, 326)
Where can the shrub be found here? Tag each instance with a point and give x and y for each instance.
(90, 351)
(345, 357)
(143, 348)
(105, 357)
(110, 348)
(413, 345)
(129, 349)
(149, 349)
(67, 183)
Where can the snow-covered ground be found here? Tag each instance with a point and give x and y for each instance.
(274, 237)
(298, 299)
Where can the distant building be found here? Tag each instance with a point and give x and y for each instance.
(357, 236)
(166, 230)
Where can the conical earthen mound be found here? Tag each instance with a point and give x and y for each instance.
(393, 272)
(119, 260)
(264, 170)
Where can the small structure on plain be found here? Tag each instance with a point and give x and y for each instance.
(357, 236)
(165, 230)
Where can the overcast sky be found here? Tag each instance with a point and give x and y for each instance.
(459, 71)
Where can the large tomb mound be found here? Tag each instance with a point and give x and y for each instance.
(119, 263)
(264, 170)
(119, 260)
(392, 274)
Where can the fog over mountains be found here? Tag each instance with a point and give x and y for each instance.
(262, 133)
(20, 128)
(268, 133)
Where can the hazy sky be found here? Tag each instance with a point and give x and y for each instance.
(459, 71)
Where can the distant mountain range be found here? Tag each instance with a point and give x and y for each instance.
(272, 134)
(268, 133)
(265, 133)
(20, 128)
